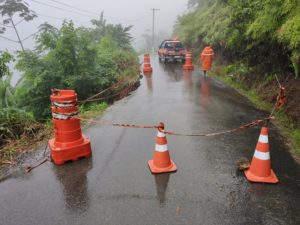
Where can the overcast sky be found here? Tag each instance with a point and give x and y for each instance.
(126, 12)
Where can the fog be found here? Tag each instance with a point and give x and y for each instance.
(130, 12)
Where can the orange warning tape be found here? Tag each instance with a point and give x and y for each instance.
(119, 124)
(160, 126)
(280, 99)
(248, 125)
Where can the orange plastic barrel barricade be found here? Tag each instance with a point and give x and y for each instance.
(147, 66)
(188, 65)
(68, 143)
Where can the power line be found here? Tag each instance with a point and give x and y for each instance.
(9, 39)
(78, 21)
(70, 6)
(83, 10)
(12, 26)
(65, 10)
(2, 24)
(31, 35)
(62, 19)
(19, 22)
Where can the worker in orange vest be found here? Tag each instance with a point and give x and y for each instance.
(206, 58)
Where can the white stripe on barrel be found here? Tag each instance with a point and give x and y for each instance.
(60, 116)
(263, 139)
(62, 105)
(161, 148)
(64, 116)
(262, 155)
(160, 134)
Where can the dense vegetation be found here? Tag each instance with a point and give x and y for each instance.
(261, 33)
(253, 41)
(13, 121)
(87, 60)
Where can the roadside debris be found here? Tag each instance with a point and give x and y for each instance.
(243, 164)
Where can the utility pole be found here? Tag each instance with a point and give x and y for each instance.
(153, 42)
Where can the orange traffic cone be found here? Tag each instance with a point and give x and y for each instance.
(161, 162)
(260, 168)
(188, 61)
(147, 66)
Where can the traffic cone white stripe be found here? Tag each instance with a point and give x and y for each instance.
(160, 134)
(262, 155)
(263, 139)
(161, 148)
(260, 169)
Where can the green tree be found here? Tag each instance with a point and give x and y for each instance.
(262, 33)
(100, 29)
(5, 78)
(10, 8)
(119, 34)
(69, 58)
(13, 121)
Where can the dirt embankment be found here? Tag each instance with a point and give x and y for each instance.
(263, 90)
(292, 96)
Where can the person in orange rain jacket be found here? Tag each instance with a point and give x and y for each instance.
(206, 58)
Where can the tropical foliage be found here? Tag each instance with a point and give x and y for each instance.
(5, 77)
(264, 33)
(13, 121)
(10, 10)
(87, 60)
(253, 40)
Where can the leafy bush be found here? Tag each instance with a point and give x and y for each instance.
(238, 70)
(263, 33)
(71, 58)
(14, 123)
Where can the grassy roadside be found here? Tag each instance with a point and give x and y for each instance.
(40, 133)
(286, 125)
(24, 144)
(91, 111)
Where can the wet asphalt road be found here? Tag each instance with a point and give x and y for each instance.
(116, 187)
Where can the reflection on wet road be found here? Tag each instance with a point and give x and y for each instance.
(116, 187)
(74, 185)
